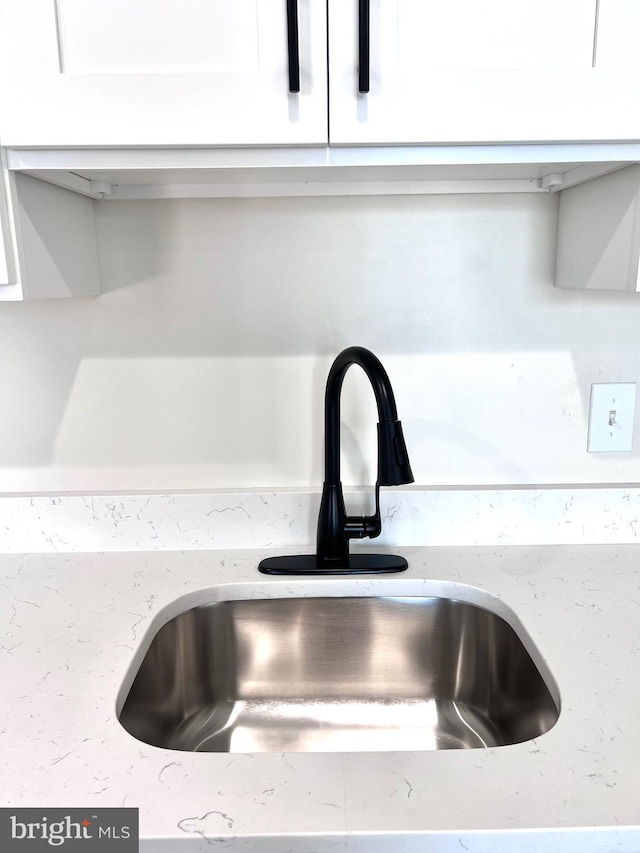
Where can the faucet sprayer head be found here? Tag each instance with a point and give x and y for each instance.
(393, 460)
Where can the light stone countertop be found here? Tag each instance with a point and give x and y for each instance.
(71, 626)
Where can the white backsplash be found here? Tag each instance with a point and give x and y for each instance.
(203, 364)
(287, 519)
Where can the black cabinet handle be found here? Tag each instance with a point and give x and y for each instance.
(363, 47)
(292, 41)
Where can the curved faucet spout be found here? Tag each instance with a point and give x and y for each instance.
(335, 528)
(382, 389)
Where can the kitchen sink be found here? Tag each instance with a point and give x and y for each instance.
(339, 674)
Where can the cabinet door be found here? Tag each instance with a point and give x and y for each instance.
(144, 72)
(447, 71)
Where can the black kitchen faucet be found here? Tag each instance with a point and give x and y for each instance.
(335, 527)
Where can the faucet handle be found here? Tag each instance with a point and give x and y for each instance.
(361, 526)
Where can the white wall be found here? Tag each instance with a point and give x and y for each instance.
(203, 364)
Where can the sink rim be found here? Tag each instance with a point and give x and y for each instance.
(333, 588)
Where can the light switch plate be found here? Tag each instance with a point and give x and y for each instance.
(611, 417)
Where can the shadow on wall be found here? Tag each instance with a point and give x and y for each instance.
(219, 319)
(306, 276)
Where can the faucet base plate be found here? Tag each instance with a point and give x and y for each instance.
(357, 564)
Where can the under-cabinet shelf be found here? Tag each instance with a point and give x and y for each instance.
(48, 198)
(148, 173)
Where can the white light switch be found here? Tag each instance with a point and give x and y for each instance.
(611, 416)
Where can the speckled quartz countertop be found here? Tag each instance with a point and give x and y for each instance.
(73, 624)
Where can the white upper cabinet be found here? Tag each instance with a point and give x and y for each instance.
(161, 72)
(462, 71)
(82, 73)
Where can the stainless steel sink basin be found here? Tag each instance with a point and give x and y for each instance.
(337, 674)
